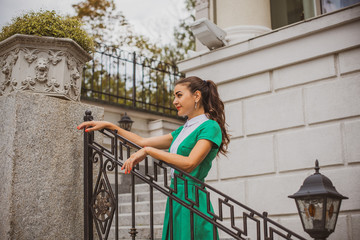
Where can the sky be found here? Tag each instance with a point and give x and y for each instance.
(153, 18)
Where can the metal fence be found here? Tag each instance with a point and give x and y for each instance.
(125, 78)
(101, 200)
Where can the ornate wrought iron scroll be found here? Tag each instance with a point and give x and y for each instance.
(101, 202)
(129, 79)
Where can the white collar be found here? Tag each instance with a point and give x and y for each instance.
(200, 118)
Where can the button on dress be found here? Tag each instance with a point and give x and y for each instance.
(203, 230)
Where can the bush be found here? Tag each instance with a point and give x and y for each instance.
(48, 23)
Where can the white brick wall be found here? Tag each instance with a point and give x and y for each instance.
(250, 156)
(234, 118)
(352, 141)
(273, 112)
(213, 173)
(235, 189)
(349, 61)
(270, 193)
(245, 87)
(355, 225)
(291, 96)
(299, 149)
(333, 100)
(310, 71)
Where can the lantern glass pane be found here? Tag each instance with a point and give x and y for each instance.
(311, 212)
(332, 212)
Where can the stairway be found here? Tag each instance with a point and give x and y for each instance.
(142, 209)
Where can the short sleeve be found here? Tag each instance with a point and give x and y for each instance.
(210, 130)
(175, 133)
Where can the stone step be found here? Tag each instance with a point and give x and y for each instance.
(143, 232)
(160, 177)
(141, 197)
(144, 187)
(141, 218)
(158, 206)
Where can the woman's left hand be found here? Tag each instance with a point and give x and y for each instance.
(134, 159)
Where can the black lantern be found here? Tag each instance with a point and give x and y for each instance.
(318, 205)
(126, 122)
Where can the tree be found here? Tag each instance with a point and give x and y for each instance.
(154, 89)
(104, 23)
(98, 17)
(184, 39)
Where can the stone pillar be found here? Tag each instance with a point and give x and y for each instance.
(41, 170)
(245, 12)
(41, 174)
(241, 20)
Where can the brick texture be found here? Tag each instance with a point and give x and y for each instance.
(245, 87)
(269, 193)
(352, 141)
(234, 119)
(299, 149)
(333, 100)
(250, 156)
(274, 112)
(309, 71)
(349, 61)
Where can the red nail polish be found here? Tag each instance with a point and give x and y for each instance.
(86, 130)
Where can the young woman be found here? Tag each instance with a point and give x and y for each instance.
(192, 149)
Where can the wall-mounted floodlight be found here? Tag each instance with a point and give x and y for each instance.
(208, 33)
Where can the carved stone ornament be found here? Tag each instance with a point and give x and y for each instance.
(52, 66)
(75, 73)
(7, 64)
(30, 55)
(52, 86)
(28, 84)
(42, 69)
(55, 57)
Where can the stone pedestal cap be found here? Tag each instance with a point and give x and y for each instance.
(48, 65)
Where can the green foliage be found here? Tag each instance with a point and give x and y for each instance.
(184, 39)
(48, 23)
(111, 27)
(100, 18)
(154, 89)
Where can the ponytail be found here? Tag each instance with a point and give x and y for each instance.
(212, 104)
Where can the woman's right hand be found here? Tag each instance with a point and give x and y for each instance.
(94, 125)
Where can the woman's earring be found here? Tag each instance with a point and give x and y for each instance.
(195, 105)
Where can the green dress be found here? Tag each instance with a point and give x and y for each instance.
(203, 230)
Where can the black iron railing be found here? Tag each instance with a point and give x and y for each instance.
(101, 200)
(119, 77)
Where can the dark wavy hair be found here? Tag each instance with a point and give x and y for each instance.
(212, 104)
